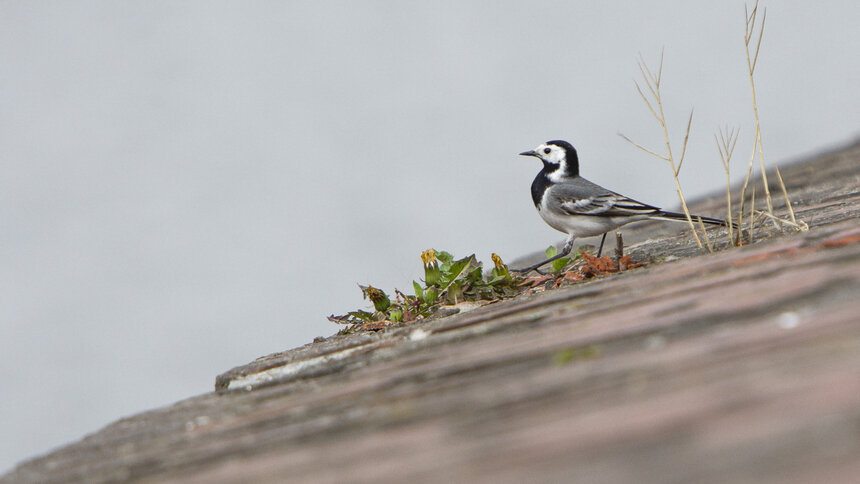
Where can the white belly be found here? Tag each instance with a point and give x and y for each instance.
(585, 225)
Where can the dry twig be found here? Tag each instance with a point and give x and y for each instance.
(726, 146)
(652, 82)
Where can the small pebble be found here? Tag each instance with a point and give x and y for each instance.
(788, 320)
(418, 335)
(655, 342)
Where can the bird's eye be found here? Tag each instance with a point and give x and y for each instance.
(546, 150)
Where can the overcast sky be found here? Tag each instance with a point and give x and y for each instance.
(186, 186)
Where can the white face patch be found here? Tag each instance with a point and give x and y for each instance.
(551, 154)
(554, 155)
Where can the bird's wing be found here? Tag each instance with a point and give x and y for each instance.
(585, 198)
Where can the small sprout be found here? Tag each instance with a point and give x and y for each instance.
(499, 267)
(500, 270)
(455, 292)
(419, 291)
(498, 262)
(396, 315)
(569, 355)
(377, 297)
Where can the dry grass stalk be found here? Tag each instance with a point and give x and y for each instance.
(758, 150)
(752, 218)
(652, 82)
(708, 244)
(726, 146)
(801, 224)
(751, 65)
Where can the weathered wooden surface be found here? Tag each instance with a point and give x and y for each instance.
(742, 366)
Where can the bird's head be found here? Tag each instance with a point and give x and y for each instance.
(557, 156)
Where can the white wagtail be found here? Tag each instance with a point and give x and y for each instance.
(579, 208)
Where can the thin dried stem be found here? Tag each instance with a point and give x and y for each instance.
(750, 20)
(646, 150)
(647, 76)
(651, 79)
(726, 147)
(652, 82)
(750, 28)
(647, 103)
(802, 225)
(752, 219)
(708, 244)
(744, 189)
(760, 35)
(684, 146)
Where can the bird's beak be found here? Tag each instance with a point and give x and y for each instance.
(529, 153)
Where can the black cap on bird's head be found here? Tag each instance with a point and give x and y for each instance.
(555, 155)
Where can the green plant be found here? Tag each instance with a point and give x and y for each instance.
(559, 264)
(447, 281)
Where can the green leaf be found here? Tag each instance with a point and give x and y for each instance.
(444, 257)
(362, 315)
(476, 275)
(551, 251)
(419, 291)
(559, 264)
(455, 292)
(396, 315)
(496, 279)
(430, 296)
(458, 269)
(500, 274)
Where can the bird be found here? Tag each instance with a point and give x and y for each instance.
(571, 204)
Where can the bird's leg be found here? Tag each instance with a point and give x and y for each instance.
(564, 251)
(601, 244)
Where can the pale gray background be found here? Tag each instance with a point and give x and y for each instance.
(186, 186)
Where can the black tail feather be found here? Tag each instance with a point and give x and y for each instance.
(683, 218)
